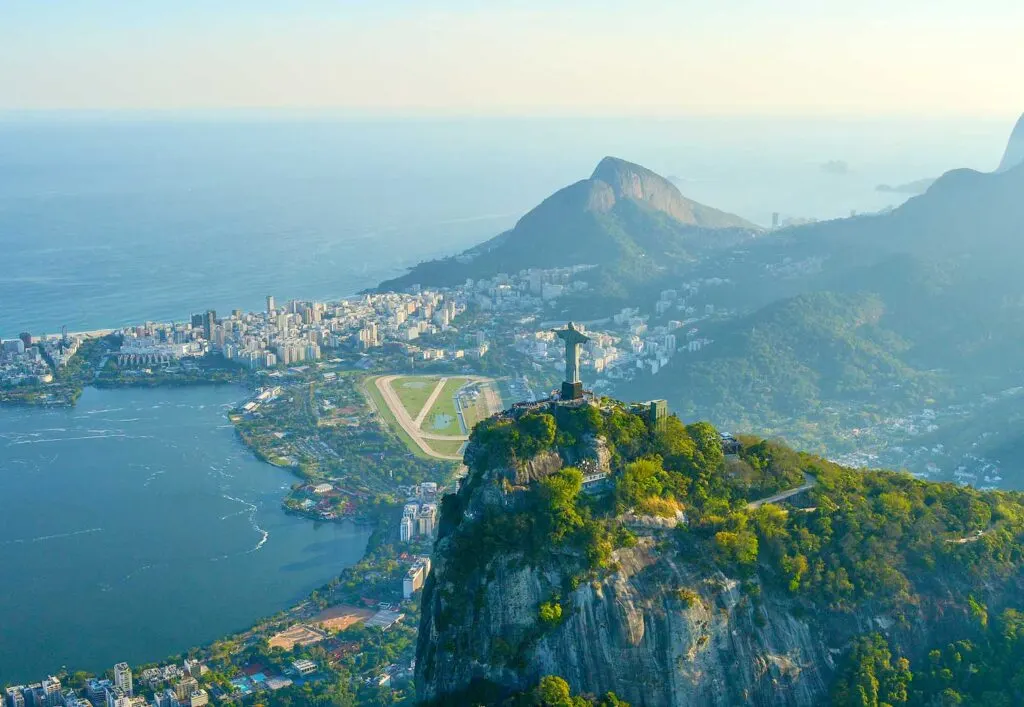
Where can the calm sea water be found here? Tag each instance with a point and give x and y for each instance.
(131, 527)
(136, 525)
(110, 222)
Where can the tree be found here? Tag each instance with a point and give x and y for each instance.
(550, 612)
(558, 493)
(536, 433)
(640, 480)
(870, 678)
(553, 691)
(739, 547)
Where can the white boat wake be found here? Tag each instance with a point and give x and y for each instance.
(251, 508)
(56, 536)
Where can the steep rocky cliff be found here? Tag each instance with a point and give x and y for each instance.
(672, 613)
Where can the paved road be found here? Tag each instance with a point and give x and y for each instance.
(810, 482)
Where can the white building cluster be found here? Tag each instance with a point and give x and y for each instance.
(297, 332)
(526, 290)
(419, 520)
(59, 350)
(182, 690)
(21, 365)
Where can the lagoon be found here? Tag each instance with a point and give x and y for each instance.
(136, 526)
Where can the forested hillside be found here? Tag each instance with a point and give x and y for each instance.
(671, 580)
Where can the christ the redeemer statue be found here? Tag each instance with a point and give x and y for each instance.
(572, 388)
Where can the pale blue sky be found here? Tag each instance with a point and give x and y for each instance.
(458, 57)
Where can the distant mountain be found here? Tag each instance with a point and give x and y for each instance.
(920, 306)
(1014, 154)
(918, 186)
(624, 218)
(804, 353)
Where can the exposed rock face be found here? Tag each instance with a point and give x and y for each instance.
(630, 634)
(631, 181)
(1014, 154)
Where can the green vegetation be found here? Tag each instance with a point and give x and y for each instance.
(361, 459)
(984, 668)
(844, 325)
(448, 448)
(553, 691)
(550, 691)
(870, 678)
(371, 392)
(550, 612)
(413, 392)
(853, 541)
(445, 406)
(800, 357)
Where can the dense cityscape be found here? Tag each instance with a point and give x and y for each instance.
(489, 326)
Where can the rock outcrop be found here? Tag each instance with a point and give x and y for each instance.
(641, 185)
(631, 634)
(659, 624)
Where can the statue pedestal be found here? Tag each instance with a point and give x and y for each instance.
(572, 391)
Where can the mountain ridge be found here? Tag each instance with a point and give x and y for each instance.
(942, 272)
(618, 218)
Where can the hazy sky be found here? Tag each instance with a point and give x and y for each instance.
(671, 57)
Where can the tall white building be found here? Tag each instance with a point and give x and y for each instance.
(415, 577)
(51, 690)
(16, 696)
(166, 698)
(123, 678)
(426, 519)
(116, 697)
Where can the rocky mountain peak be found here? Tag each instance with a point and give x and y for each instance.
(631, 181)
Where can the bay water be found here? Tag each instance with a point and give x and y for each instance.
(137, 525)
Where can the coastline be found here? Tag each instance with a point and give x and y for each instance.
(144, 449)
(377, 514)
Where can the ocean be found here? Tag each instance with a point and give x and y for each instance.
(110, 221)
(135, 525)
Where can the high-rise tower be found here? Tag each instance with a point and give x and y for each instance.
(123, 678)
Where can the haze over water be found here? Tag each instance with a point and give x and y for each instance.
(106, 222)
(136, 525)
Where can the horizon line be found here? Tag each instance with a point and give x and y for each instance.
(427, 115)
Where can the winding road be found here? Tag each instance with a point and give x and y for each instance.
(809, 483)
